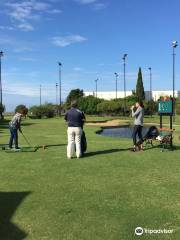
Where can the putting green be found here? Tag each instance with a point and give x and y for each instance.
(22, 149)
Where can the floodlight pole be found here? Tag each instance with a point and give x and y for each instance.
(124, 59)
(1, 102)
(150, 89)
(116, 75)
(60, 88)
(96, 81)
(56, 93)
(174, 45)
(40, 94)
(150, 83)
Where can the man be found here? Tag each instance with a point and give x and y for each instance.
(75, 119)
(138, 124)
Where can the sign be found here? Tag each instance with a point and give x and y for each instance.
(165, 107)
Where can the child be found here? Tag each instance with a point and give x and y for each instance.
(14, 126)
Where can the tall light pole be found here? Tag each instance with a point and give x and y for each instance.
(1, 102)
(116, 76)
(150, 83)
(40, 92)
(56, 93)
(60, 87)
(150, 90)
(124, 59)
(96, 81)
(174, 45)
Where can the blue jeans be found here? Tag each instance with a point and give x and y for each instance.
(137, 131)
(13, 137)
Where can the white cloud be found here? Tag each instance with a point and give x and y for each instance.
(22, 49)
(25, 26)
(77, 69)
(5, 40)
(86, 1)
(6, 28)
(27, 59)
(99, 6)
(54, 11)
(23, 12)
(67, 40)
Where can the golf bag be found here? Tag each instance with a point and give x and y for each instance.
(83, 143)
(152, 133)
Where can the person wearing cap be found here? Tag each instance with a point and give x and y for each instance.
(75, 120)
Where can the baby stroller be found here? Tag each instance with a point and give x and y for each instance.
(151, 135)
(165, 138)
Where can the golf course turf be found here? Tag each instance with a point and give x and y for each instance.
(102, 196)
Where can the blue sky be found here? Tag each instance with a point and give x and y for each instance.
(89, 37)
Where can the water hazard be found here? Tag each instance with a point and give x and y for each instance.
(123, 132)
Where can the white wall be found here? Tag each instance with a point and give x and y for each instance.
(120, 94)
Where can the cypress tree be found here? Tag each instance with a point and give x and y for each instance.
(140, 87)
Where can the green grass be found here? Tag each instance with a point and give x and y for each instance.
(103, 196)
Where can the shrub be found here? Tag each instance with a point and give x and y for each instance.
(2, 110)
(46, 110)
(112, 107)
(89, 104)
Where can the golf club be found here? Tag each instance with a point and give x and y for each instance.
(26, 140)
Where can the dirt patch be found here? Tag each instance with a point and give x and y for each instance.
(112, 123)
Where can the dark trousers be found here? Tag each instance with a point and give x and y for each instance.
(13, 138)
(137, 131)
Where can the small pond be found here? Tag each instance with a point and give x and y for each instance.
(123, 132)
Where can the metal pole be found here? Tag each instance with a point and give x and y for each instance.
(116, 75)
(60, 102)
(124, 58)
(173, 72)
(174, 45)
(150, 84)
(40, 95)
(1, 102)
(56, 94)
(150, 89)
(96, 86)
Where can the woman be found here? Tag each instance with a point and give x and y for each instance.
(138, 114)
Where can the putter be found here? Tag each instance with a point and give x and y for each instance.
(26, 140)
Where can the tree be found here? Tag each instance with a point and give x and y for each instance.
(74, 94)
(140, 87)
(112, 107)
(47, 110)
(89, 104)
(2, 109)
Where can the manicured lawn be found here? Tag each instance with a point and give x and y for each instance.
(103, 196)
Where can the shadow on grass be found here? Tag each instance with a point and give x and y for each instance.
(55, 145)
(108, 151)
(4, 124)
(27, 124)
(160, 147)
(4, 145)
(9, 202)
